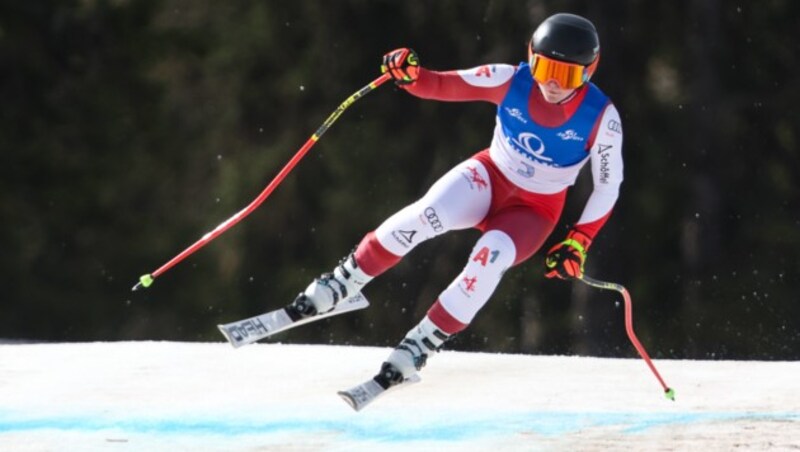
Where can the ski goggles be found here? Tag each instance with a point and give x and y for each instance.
(567, 75)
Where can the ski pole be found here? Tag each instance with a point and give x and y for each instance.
(668, 392)
(147, 280)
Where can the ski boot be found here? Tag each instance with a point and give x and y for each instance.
(325, 292)
(411, 355)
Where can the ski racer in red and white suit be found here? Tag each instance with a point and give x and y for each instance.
(514, 199)
(513, 192)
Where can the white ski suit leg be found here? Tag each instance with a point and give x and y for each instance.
(458, 200)
(492, 255)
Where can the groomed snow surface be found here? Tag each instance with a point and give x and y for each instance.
(154, 396)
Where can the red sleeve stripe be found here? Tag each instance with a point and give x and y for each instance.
(592, 228)
(450, 86)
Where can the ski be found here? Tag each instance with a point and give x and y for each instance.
(362, 395)
(254, 329)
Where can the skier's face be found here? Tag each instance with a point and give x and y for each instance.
(557, 80)
(553, 92)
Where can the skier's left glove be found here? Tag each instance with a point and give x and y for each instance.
(402, 64)
(566, 259)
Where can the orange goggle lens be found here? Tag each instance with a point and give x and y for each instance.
(567, 75)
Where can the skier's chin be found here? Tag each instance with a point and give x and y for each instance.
(554, 95)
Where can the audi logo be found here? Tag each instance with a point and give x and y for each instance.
(614, 126)
(433, 219)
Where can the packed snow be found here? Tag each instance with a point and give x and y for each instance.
(152, 396)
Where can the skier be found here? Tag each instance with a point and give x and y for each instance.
(550, 121)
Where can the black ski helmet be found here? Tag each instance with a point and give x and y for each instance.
(567, 37)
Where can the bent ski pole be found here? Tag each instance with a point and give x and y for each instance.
(668, 392)
(147, 280)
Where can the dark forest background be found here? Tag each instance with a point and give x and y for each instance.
(128, 129)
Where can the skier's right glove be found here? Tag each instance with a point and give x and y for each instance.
(402, 64)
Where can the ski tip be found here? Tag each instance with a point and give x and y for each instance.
(349, 400)
(221, 329)
(230, 340)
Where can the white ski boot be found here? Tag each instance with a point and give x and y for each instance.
(325, 292)
(412, 354)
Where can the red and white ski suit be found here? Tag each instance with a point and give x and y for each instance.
(514, 191)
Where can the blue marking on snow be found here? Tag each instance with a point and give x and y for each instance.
(450, 427)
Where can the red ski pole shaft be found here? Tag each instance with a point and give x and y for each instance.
(147, 280)
(668, 392)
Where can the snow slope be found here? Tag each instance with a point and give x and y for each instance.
(153, 396)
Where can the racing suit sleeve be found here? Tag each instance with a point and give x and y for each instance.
(607, 172)
(487, 83)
